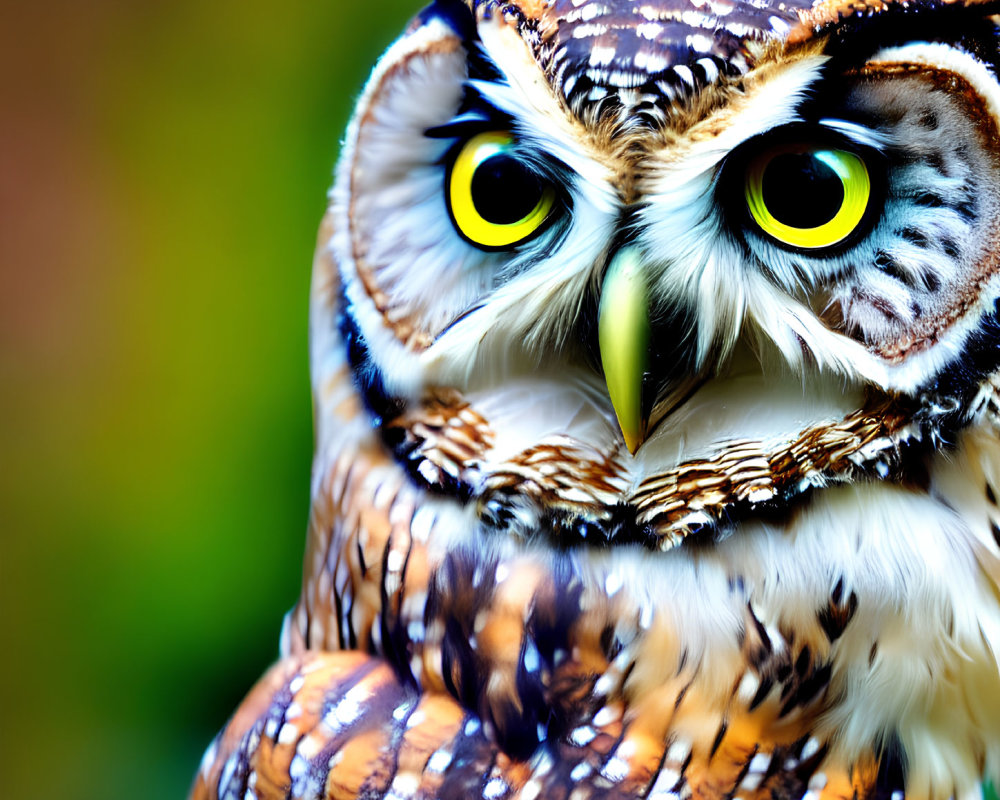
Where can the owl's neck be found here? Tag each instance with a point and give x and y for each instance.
(698, 650)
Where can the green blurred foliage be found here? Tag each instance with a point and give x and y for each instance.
(163, 170)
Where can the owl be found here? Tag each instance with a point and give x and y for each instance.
(656, 360)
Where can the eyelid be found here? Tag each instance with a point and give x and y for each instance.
(858, 134)
(464, 126)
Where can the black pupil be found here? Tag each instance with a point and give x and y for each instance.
(801, 191)
(504, 190)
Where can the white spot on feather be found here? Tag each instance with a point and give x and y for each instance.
(289, 734)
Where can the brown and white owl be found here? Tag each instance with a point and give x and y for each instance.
(656, 358)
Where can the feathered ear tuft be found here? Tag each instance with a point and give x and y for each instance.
(455, 13)
(391, 227)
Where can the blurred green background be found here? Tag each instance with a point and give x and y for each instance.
(163, 170)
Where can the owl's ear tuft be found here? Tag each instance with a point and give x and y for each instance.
(388, 211)
(454, 13)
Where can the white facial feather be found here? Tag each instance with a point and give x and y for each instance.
(528, 319)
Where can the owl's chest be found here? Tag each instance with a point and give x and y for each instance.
(785, 626)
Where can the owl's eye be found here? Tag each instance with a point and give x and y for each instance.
(808, 196)
(495, 199)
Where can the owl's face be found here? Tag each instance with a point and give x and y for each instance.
(687, 310)
(653, 270)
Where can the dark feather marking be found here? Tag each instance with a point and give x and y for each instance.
(914, 236)
(835, 618)
(766, 684)
(936, 160)
(965, 209)
(990, 494)
(454, 13)
(682, 661)
(743, 771)
(929, 200)
(681, 694)
(892, 770)
(950, 248)
(766, 645)
(517, 719)
(937, 410)
(352, 635)
(885, 306)
(472, 762)
(803, 662)
(654, 776)
(552, 618)
(338, 608)
(553, 702)
(718, 739)
(683, 772)
(930, 280)
(396, 645)
(367, 374)
(808, 689)
(979, 359)
(361, 558)
(995, 530)
(891, 267)
(611, 646)
(454, 599)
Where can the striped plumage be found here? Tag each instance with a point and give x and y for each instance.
(778, 575)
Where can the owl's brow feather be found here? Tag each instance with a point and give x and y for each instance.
(855, 38)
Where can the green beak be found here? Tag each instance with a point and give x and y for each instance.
(623, 333)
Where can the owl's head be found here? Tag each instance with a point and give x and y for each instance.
(617, 272)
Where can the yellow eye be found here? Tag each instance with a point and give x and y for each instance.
(808, 196)
(495, 199)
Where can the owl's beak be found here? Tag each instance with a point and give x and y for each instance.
(623, 332)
